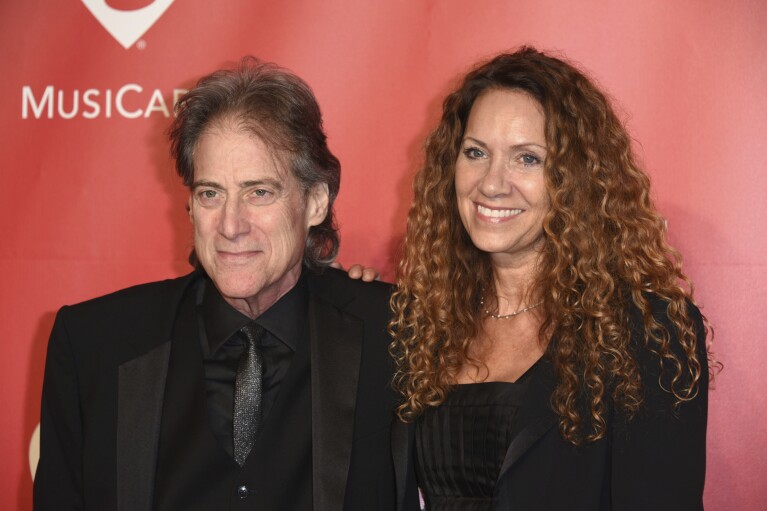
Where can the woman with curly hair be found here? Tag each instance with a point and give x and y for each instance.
(547, 346)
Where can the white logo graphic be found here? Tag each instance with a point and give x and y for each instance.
(127, 26)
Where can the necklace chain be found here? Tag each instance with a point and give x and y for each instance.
(507, 316)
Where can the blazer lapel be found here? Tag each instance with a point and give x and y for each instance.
(535, 417)
(140, 394)
(141, 388)
(336, 350)
(404, 470)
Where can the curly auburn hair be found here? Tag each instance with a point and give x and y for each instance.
(604, 253)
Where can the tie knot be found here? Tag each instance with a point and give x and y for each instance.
(253, 333)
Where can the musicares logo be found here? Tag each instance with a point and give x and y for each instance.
(127, 26)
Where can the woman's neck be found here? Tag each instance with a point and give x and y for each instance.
(513, 281)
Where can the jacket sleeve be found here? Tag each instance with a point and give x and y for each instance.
(58, 480)
(659, 457)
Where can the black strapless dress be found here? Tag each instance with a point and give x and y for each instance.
(461, 444)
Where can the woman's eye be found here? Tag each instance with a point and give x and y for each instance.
(473, 153)
(530, 159)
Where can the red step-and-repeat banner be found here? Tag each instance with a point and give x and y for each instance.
(90, 201)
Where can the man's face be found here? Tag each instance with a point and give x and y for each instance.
(250, 217)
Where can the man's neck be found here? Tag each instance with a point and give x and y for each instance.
(255, 305)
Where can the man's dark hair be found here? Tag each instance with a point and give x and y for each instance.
(279, 108)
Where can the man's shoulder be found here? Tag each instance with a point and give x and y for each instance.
(122, 324)
(336, 285)
(142, 304)
(368, 301)
(150, 292)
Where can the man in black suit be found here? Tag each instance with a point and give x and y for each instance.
(259, 381)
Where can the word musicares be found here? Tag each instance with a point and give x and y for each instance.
(130, 101)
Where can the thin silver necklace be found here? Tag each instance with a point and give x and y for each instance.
(511, 314)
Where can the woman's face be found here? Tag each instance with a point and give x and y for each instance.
(499, 176)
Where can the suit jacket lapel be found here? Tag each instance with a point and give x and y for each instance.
(535, 417)
(402, 438)
(140, 394)
(336, 350)
(141, 388)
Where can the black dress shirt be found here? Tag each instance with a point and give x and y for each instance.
(222, 346)
(196, 470)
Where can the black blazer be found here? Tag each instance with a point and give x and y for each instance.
(104, 385)
(656, 462)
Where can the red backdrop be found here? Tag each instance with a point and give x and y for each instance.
(92, 204)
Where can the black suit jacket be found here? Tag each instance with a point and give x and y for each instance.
(655, 462)
(104, 385)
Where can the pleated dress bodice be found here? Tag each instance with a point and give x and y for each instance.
(461, 444)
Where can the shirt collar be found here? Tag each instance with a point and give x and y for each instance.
(284, 320)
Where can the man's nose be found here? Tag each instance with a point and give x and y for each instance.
(233, 221)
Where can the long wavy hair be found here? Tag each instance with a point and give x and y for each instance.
(604, 252)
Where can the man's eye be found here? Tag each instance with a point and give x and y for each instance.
(208, 196)
(261, 196)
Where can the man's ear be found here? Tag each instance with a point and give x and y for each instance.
(317, 205)
(189, 209)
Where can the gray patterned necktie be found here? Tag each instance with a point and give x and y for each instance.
(246, 418)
